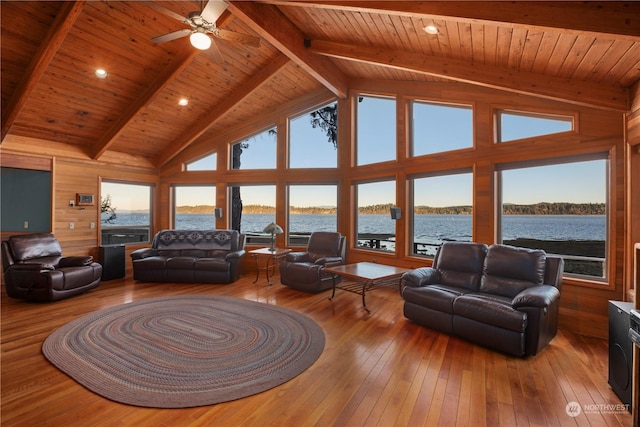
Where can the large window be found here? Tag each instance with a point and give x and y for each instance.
(313, 138)
(194, 207)
(253, 207)
(255, 152)
(125, 213)
(376, 129)
(561, 208)
(311, 208)
(440, 127)
(442, 211)
(376, 229)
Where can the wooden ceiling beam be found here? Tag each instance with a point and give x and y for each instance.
(573, 91)
(271, 25)
(616, 20)
(169, 74)
(66, 17)
(231, 100)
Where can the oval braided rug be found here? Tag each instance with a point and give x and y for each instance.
(185, 351)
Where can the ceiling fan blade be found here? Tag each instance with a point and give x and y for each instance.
(213, 10)
(166, 11)
(171, 36)
(236, 37)
(214, 53)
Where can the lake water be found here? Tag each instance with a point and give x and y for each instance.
(429, 229)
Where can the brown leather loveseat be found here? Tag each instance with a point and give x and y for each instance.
(190, 256)
(35, 270)
(498, 296)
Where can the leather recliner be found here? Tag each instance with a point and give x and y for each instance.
(304, 270)
(35, 270)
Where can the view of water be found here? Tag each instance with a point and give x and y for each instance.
(431, 229)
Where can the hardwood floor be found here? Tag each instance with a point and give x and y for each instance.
(376, 369)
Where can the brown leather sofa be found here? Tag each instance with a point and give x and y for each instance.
(190, 256)
(35, 270)
(304, 270)
(498, 296)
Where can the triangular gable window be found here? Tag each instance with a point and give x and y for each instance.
(513, 125)
(207, 163)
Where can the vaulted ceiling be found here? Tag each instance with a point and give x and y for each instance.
(587, 53)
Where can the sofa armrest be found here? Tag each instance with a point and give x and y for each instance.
(234, 255)
(419, 277)
(75, 261)
(328, 261)
(297, 256)
(143, 253)
(537, 296)
(37, 267)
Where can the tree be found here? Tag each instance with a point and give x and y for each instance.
(106, 208)
(236, 199)
(326, 118)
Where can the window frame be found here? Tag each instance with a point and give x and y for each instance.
(411, 127)
(441, 173)
(608, 261)
(152, 190)
(307, 113)
(356, 214)
(532, 114)
(356, 135)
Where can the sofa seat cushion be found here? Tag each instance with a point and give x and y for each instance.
(491, 310)
(181, 263)
(434, 297)
(211, 264)
(151, 263)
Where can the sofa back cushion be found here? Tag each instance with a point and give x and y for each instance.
(460, 264)
(31, 246)
(179, 240)
(509, 270)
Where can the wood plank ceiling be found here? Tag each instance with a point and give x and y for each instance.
(586, 53)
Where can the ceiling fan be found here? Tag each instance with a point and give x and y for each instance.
(202, 26)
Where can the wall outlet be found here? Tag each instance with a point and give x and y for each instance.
(71, 226)
(92, 225)
(26, 224)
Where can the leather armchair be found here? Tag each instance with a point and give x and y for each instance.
(304, 270)
(35, 270)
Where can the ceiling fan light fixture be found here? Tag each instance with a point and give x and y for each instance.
(200, 40)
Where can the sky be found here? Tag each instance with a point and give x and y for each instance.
(437, 128)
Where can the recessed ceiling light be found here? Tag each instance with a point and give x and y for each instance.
(101, 74)
(431, 29)
(183, 101)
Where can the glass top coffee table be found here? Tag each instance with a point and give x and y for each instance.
(367, 276)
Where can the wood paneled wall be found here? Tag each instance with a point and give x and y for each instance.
(73, 172)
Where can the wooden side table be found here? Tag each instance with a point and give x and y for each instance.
(272, 257)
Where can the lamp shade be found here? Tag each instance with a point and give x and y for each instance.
(273, 228)
(200, 40)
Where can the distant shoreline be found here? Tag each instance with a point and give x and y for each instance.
(543, 208)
